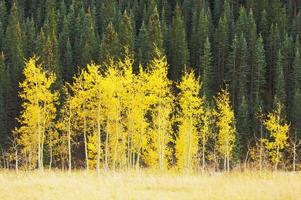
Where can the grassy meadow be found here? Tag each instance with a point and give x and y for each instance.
(147, 185)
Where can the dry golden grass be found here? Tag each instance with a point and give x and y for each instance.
(146, 185)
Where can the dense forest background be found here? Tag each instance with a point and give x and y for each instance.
(252, 46)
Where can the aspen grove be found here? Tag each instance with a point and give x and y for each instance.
(112, 118)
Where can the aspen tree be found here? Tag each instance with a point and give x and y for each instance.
(207, 120)
(191, 107)
(161, 99)
(65, 124)
(134, 108)
(278, 129)
(94, 88)
(81, 91)
(112, 99)
(38, 112)
(226, 126)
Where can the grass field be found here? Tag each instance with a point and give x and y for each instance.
(143, 185)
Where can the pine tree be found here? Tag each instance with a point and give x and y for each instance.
(1, 35)
(126, 36)
(13, 44)
(221, 45)
(237, 70)
(4, 90)
(142, 46)
(178, 55)
(29, 38)
(208, 71)
(244, 132)
(259, 71)
(39, 111)
(110, 45)
(295, 113)
(273, 46)
(296, 69)
(13, 50)
(154, 33)
(226, 127)
(88, 40)
(200, 31)
(279, 82)
(191, 108)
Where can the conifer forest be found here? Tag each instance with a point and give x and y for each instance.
(183, 85)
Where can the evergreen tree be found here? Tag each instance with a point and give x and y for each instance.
(259, 71)
(126, 36)
(88, 40)
(279, 82)
(13, 50)
(237, 73)
(110, 45)
(178, 55)
(221, 46)
(209, 83)
(200, 31)
(295, 112)
(4, 91)
(143, 51)
(155, 33)
(244, 132)
(13, 45)
(29, 38)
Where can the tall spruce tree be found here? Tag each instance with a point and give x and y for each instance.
(110, 46)
(126, 36)
(178, 55)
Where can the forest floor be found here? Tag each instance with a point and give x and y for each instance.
(145, 185)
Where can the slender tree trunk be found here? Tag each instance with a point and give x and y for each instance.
(17, 159)
(294, 157)
(117, 139)
(85, 143)
(139, 149)
(107, 147)
(69, 140)
(189, 145)
(159, 144)
(203, 152)
(50, 163)
(39, 144)
(277, 158)
(261, 149)
(98, 147)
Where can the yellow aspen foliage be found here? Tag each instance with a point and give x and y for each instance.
(39, 111)
(112, 101)
(278, 135)
(82, 96)
(159, 96)
(134, 110)
(207, 121)
(226, 126)
(66, 123)
(191, 108)
(93, 114)
(137, 119)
